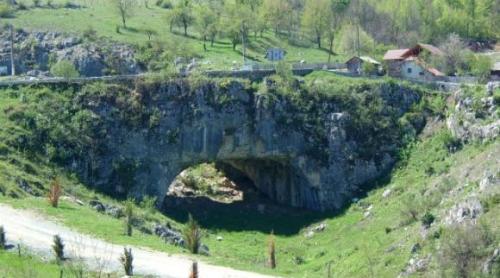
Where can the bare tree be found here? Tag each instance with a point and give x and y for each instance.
(125, 9)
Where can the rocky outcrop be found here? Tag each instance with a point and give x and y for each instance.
(36, 51)
(314, 148)
(475, 118)
(310, 154)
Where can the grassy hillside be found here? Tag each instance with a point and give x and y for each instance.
(101, 16)
(372, 237)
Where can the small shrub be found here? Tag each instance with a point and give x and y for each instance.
(90, 34)
(64, 69)
(271, 250)
(36, 3)
(149, 203)
(3, 240)
(427, 219)
(369, 69)
(464, 249)
(58, 248)
(192, 235)
(55, 193)
(194, 270)
(126, 260)
(410, 209)
(481, 67)
(129, 217)
(388, 230)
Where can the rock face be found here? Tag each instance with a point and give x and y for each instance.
(35, 51)
(144, 136)
(475, 118)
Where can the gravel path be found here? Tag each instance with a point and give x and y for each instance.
(36, 233)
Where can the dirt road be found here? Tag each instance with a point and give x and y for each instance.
(36, 233)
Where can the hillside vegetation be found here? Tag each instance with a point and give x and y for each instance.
(214, 31)
(402, 220)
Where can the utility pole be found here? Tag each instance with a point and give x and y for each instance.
(12, 64)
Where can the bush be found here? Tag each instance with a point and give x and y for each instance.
(481, 67)
(58, 248)
(464, 249)
(427, 219)
(55, 193)
(5, 10)
(64, 69)
(149, 203)
(127, 259)
(36, 3)
(90, 34)
(369, 69)
(192, 235)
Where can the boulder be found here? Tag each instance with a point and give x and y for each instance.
(466, 211)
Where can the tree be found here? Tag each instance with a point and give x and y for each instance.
(126, 260)
(181, 16)
(58, 248)
(192, 235)
(316, 18)
(55, 193)
(206, 23)
(277, 13)
(237, 21)
(129, 217)
(334, 21)
(64, 69)
(125, 9)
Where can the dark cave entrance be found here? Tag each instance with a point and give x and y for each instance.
(252, 210)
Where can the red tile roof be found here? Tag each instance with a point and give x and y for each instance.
(431, 48)
(395, 54)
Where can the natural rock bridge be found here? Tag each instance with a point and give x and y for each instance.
(309, 152)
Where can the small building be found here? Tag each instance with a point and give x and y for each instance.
(355, 64)
(275, 54)
(393, 59)
(396, 58)
(416, 69)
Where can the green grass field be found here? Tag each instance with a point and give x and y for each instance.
(100, 16)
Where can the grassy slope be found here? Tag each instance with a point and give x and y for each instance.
(356, 246)
(102, 18)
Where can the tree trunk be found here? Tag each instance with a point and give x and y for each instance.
(204, 42)
(123, 20)
(331, 50)
(12, 64)
(318, 40)
(212, 40)
(185, 27)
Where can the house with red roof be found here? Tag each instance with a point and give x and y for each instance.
(408, 63)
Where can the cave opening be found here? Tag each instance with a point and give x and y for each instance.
(221, 196)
